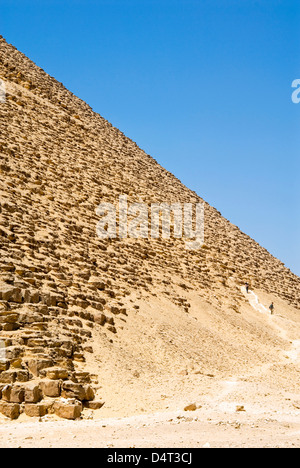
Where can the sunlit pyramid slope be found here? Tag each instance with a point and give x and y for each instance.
(74, 307)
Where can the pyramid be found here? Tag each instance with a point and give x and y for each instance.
(82, 317)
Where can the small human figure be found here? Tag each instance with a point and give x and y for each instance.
(247, 287)
(272, 308)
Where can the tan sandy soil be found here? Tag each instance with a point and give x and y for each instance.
(178, 429)
(252, 400)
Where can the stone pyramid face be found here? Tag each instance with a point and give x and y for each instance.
(63, 289)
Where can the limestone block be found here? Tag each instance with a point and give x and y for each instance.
(56, 373)
(68, 409)
(100, 319)
(35, 410)
(33, 393)
(36, 365)
(4, 365)
(93, 405)
(11, 294)
(51, 388)
(10, 410)
(13, 394)
(72, 390)
(8, 377)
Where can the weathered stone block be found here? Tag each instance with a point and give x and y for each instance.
(100, 318)
(10, 410)
(51, 388)
(32, 297)
(11, 294)
(96, 283)
(35, 410)
(68, 409)
(6, 392)
(93, 405)
(8, 377)
(9, 318)
(23, 375)
(13, 352)
(4, 365)
(36, 365)
(33, 393)
(89, 393)
(10, 326)
(35, 342)
(17, 394)
(56, 373)
(73, 390)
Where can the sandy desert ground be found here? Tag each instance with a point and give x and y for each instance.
(250, 404)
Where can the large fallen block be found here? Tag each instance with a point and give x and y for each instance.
(75, 390)
(67, 409)
(10, 410)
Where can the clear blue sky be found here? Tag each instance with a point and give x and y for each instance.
(204, 86)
